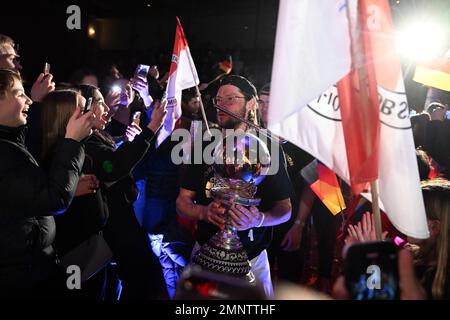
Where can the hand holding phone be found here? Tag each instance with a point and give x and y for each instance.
(43, 85)
(371, 271)
(87, 105)
(141, 72)
(136, 117)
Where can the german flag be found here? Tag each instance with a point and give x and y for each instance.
(435, 74)
(227, 65)
(325, 185)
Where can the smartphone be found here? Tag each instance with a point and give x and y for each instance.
(142, 71)
(136, 117)
(447, 115)
(87, 105)
(371, 271)
(116, 89)
(46, 68)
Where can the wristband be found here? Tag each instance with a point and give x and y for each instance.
(299, 222)
(262, 220)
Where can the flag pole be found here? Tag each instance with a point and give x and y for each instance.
(376, 209)
(217, 78)
(202, 108)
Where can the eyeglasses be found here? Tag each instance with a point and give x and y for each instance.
(225, 101)
(263, 103)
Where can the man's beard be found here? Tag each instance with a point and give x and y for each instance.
(232, 122)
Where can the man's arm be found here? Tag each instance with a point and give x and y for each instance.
(280, 213)
(213, 213)
(293, 237)
(186, 206)
(304, 210)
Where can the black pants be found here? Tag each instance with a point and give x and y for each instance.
(287, 265)
(137, 266)
(326, 226)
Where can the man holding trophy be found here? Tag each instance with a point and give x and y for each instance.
(249, 214)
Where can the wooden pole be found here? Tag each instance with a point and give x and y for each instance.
(376, 209)
(202, 108)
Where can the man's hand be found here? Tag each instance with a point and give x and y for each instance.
(214, 213)
(41, 87)
(243, 218)
(292, 238)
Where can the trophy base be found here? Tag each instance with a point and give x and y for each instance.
(224, 254)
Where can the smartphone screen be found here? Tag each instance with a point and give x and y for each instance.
(371, 271)
(87, 105)
(116, 89)
(142, 71)
(447, 115)
(46, 68)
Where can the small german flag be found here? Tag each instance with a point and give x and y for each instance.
(325, 185)
(227, 65)
(435, 74)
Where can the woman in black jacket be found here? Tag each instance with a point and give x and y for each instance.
(137, 267)
(29, 198)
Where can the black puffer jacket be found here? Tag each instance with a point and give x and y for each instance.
(29, 197)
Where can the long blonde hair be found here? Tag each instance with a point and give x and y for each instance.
(436, 195)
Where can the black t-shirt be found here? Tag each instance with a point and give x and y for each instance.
(296, 160)
(273, 188)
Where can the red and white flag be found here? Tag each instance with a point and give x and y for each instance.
(182, 75)
(311, 48)
(382, 144)
(358, 99)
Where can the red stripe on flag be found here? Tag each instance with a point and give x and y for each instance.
(358, 97)
(180, 44)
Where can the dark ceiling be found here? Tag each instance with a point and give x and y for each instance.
(134, 31)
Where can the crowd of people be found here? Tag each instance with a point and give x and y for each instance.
(80, 171)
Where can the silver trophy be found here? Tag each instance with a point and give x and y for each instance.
(241, 162)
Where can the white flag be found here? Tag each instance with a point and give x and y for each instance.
(317, 128)
(182, 75)
(312, 47)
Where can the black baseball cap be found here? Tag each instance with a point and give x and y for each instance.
(247, 88)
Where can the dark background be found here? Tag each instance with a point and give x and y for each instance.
(132, 32)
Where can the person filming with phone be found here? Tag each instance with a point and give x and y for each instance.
(30, 196)
(138, 269)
